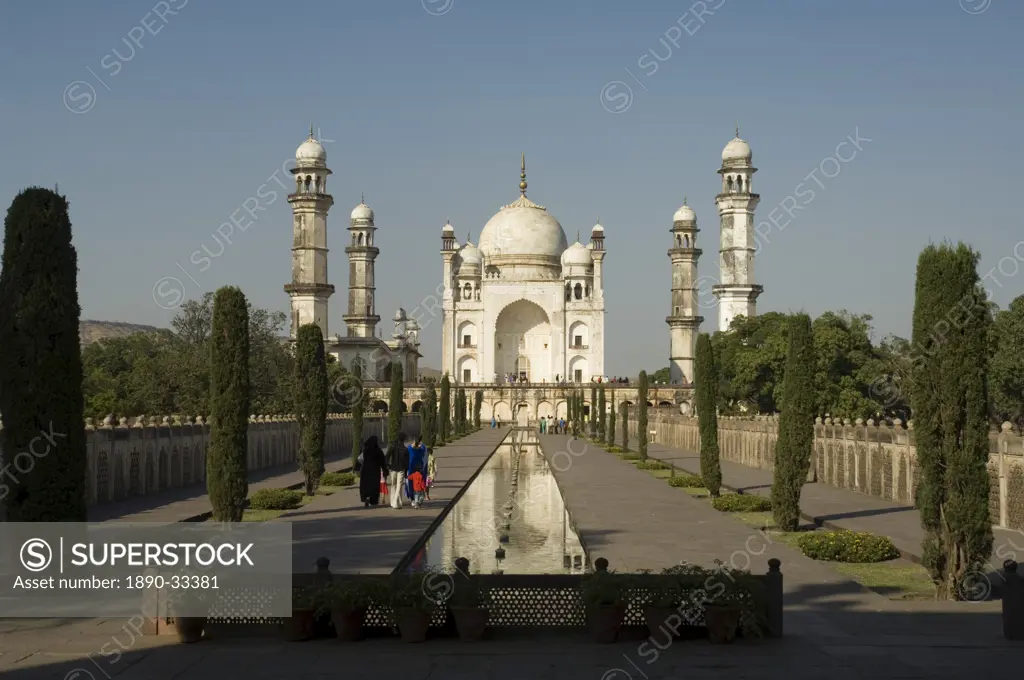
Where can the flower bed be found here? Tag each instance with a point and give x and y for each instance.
(275, 499)
(686, 481)
(337, 479)
(856, 547)
(736, 502)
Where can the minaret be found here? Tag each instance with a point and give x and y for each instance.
(448, 250)
(598, 252)
(309, 290)
(684, 322)
(362, 317)
(736, 292)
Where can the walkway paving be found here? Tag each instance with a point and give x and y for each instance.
(637, 521)
(837, 508)
(374, 540)
(187, 503)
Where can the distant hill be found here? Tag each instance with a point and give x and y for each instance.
(92, 331)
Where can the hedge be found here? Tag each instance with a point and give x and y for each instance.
(741, 502)
(275, 499)
(857, 547)
(686, 480)
(651, 464)
(337, 479)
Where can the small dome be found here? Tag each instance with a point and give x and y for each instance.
(597, 231)
(311, 152)
(684, 214)
(471, 255)
(737, 150)
(362, 212)
(577, 255)
(400, 315)
(447, 228)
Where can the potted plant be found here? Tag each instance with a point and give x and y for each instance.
(190, 610)
(468, 607)
(662, 608)
(604, 598)
(737, 607)
(347, 601)
(299, 626)
(412, 608)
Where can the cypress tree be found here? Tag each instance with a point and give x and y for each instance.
(600, 413)
(428, 416)
(395, 402)
(41, 364)
(478, 401)
(641, 420)
(311, 402)
(358, 408)
(625, 427)
(706, 379)
(460, 411)
(227, 473)
(610, 439)
(444, 411)
(593, 411)
(580, 412)
(949, 400)
(796, 425)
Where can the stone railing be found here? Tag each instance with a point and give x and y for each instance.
(144, 455)
(875, 459)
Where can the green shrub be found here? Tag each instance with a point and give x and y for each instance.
(630, 455)
(337, 479)
(614, 449)
(275, 499)
(741, 502)
(651, 464)
(686, 481)
(858, 547)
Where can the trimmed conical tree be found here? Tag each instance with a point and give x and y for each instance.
(706, 379)
(428, 416)
(358, 408)
(581, 412)
(625, 427)
(311, 403)
(395, 403)
(227, 472)
(592, 420)
(478, 401)
(600, 413)
(949, 400)
(796, 425)
(41, 401)
(641, 418)
(610, 434)
(460, 411)
(444, 411)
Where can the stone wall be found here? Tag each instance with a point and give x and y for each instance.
(141, 456)
(874, 459)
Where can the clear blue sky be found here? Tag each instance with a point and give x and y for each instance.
(429, 113)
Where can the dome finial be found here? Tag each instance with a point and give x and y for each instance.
(577, 236)
(362, 197)
(467, 236)
(684, 200)
(737, 129)
(311, 129)
(522, 175)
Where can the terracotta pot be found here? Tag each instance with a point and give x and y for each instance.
(299, 626)
(665, 619)
(470, 622)
(189, 628)
(412, 623)
(722, 621)
(348, 623)
(605, 621)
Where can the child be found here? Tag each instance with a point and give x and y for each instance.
(419, 487)
(383, 487)
(431, 470)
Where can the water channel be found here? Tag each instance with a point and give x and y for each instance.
(511, 519)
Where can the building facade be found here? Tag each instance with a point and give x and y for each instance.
(522, 301)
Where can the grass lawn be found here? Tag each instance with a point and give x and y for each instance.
(251, 515)
(896, 579)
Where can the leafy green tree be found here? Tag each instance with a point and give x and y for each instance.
(610, 434)
(311, 403)
(625, 426)
(641, 420)
(706, 379)
(395, 403)
(478, 401)
(600, 413)
(1007, 365)
(444, 411)
(796, 427)
(950, 401)
(41, 364)
(358, 409)
(592, 420)
(227, 473)
(663, 376)
(428, 416)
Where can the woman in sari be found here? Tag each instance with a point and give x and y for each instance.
(374, 466)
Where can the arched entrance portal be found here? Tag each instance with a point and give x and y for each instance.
(522, 414)
(522, 342)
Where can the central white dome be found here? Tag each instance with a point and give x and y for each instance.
(523, 228)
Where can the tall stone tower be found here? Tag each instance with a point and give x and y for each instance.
(309, 290)
(736, 291)
(449, 247)
(684, 322)
(362, 317)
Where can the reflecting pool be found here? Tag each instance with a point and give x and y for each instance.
(514, 504)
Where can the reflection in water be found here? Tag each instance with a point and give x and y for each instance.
(516, 495)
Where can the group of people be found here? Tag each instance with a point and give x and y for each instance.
(552, 425)
(406, 471)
